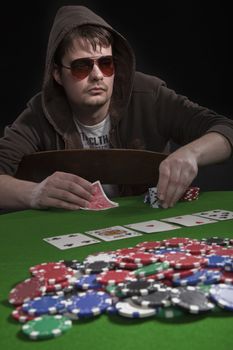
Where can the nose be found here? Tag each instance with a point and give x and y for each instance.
(96, 73)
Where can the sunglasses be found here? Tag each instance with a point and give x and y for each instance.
(82, 67)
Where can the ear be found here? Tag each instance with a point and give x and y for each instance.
(57, 75)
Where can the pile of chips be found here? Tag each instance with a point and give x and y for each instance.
(164, 279)
(151, 197)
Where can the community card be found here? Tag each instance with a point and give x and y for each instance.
(100, 200)
(216, 214)
(72, 240)
(113, 233)
(152, 226)
(189, 220)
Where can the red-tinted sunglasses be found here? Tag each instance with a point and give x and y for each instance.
(82, 67)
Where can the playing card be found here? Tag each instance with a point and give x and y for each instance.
(189, 220)
(72, 240)
(113, 233)
(152, 226)
(216, 214)
(100, 200)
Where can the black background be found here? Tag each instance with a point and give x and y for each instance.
(186, 43)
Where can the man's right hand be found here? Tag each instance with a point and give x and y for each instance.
(61, 190)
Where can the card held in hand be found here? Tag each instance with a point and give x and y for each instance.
(100, 201)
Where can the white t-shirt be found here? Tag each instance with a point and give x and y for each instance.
(97, 136)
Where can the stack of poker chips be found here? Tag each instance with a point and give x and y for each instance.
(151, 197)
(162, 279)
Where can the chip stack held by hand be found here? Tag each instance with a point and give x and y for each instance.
(151, 196)
(171, 278)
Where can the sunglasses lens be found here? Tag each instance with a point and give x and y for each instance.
(106, 65)
(82, 67)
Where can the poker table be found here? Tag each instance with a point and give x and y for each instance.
(22, 246)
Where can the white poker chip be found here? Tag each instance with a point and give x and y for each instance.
(127, 308)
(106, 257)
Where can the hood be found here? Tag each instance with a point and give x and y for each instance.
(55, 105)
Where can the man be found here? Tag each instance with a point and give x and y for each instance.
(92, 92)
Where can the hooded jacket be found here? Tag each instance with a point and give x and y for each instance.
(145, 113)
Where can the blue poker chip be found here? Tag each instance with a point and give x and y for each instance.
(162, 251)
(89, 304)
(204, 276)
(228, 264)
(87, 282)
(222, 295)
(47, 304)
(216, 260)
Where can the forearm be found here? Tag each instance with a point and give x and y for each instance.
(14, 193)
(210, 148)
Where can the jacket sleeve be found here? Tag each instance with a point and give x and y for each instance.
(182, 121)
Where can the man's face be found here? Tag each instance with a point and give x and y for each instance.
(95, 90)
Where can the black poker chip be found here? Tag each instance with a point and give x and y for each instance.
(192, 299)
(137, 287)
(160, 297)
(216, 241)
(97, 267)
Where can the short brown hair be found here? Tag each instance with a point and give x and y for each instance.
(95, 35)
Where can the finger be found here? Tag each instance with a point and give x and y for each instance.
(164, 175)
(173, 186)
(57, 203)
(67, 197)
(75, 179)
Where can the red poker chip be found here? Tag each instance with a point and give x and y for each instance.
(57, 286)
(149, 245)
(227, 277)
(197, 248)
(28, 289)
(181, 260)
(19, 315)
(126, 251)
(222, 251)
(141, 258)
(113, 277)
(54, 274)
(176, 241)
(46, 265)
(127, 264)
(174, 274)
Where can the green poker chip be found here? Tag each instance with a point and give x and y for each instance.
(151, 269)
(46, 327)
(170, 312)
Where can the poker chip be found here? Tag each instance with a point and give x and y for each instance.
(216, 241)
(227, 277)
(137, 287)
(190, 194)
(149, 245)
(191, 299)
(127, 308)
(97, 267)
(87, 282)
(144, 258)
(26, 290)
(197, 248)
(183, 260)
(201, 276)
(44, 305)
(126, 251)
(73, 264)
(170, 312)
(151, 269)
(113, 277)
(46, 327)
(176, 241)
(222, 294)
(46, 265)
(19, 315)
(107, 257)
(159, 297)
(53, 273)
(216, 261)
(89, 304)
(120, 263)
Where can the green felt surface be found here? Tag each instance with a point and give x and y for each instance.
(22, 245)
